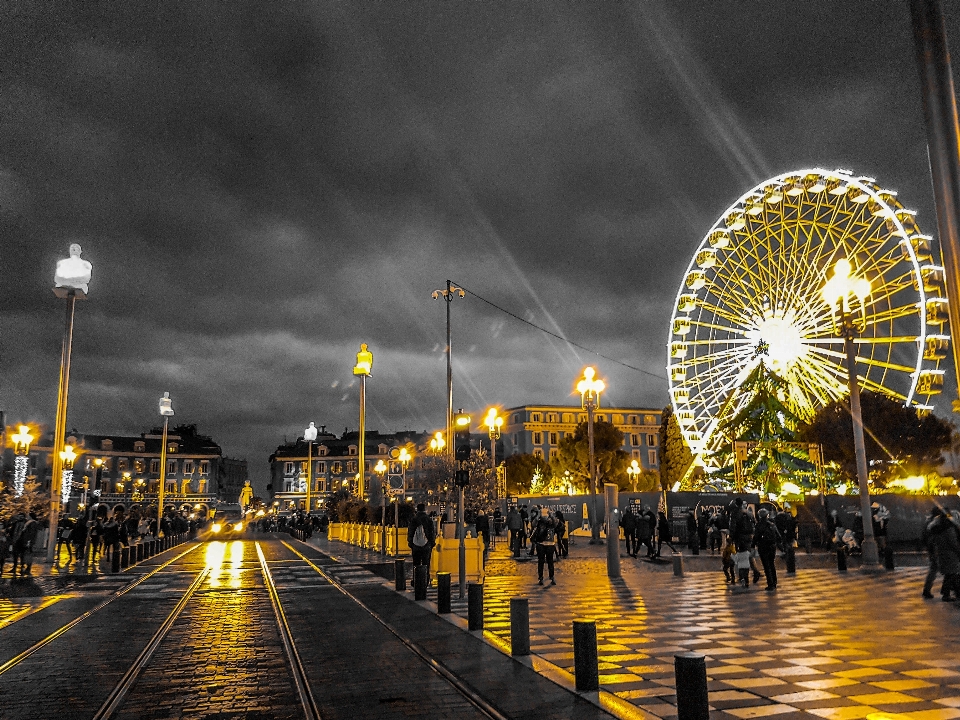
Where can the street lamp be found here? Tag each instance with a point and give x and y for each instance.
(71, 281)
(839, 292)
(634, 472)
(437, 443)
(448, 295)
(362, 370)
(67, 457)
(310, 434)
(493, 422)
(21, 450)
(590, 389)
(166, 410)
(405, 458)
(380, 468)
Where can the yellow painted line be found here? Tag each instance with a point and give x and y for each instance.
(26, 612)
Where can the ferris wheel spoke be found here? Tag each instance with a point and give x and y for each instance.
(894, 313)
(731, 317)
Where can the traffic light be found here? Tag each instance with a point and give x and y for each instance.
(463, 478)
(461, 436)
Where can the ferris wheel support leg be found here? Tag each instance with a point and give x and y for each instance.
(871, 557)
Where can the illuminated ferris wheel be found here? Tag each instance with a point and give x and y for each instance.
(756, 280)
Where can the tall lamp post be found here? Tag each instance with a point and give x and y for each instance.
(71, 284)
(838, 293)
(21, 450)
(310, 434)
(590, 388)
(634, 472)
(166, 411)
(493, 422)
(448, 294)
(380, 469)
(67, 457)
(362, 370)
(405, 458)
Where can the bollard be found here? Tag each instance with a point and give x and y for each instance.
(791, 559)
(420, 582)
(586, 668)
(808, 545)
(475, 606)
(399, 575)
(115, 560)
(125, 556)
(139, 552)
(678, 564)
(696, 546)
(690, 670)
(443, 593)
(519, 626)
(888, 558)
(841, 560)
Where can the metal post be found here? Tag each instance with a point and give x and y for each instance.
(443, 593)
(448, 298)
(396, 519)
(690, 671)
(399, 575)
(871, 557)
(420, 582)
(163, 473)
(363, 427)
(613, 530)
(943, 142)
(61, 423)
(309, 471)
(475, 606)
(519, 626)
(595, 528)
(586, 668)
(462, 531)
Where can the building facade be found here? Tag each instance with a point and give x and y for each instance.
(538, 429)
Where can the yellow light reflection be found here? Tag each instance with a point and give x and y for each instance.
(236, 562)
(214, 560)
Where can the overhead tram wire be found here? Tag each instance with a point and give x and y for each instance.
(560, 337)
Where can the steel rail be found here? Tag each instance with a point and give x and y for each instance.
(119, 692)
(28, 611)
(13, 662)
(296, 664)
(438, 667)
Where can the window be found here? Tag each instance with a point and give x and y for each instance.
(121, 465)
(172, 447)
(154, 466)
(171, 467)
(139, 464)
(201, 486)
(634, 439)
(106, 444)
(551, 417)
(534, 417)
(618, 419)
(538, 438)
(322, 450)
(651, 457)
(337, 468)
(188, 467)
(631, 419)
(185, 487)
(204, 467)
(321, 485)
(381, 449)
(514, 439)
(651, 440)
(352, 450)
(553, 438)
(516, 418)
(139, 446)
(288, 468)
(582, 417)
(635, 455)
(538, 453)
(321, 467)
(352, 466)
(600, 418)
(568, 417)
(649, 420)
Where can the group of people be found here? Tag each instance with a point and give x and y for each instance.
(546, 532)
(752, 536)
(849, 538)
(645, 529)
(17, 538)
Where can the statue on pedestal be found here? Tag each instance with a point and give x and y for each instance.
(246, 494)
(73, 272)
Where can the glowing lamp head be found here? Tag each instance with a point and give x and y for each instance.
(437, 443)
(405, 456)
(590, 387)
(789, 488)
(68, 456)
(22, 440)
(310, 434)
(380, 468)
(364, 364)
(166, 405)
(217, 527)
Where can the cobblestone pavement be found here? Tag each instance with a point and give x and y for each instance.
(824, 645)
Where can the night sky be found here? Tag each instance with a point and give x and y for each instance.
(262, 186)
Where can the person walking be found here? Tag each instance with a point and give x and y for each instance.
(515, 526)
(421, 536)
(24, 536)
(64, 530)
(693, 534)
(766, 539)
(646, 524)
(925, 539)
(525, 516)
(663, 532)
(482, 524)
(945, 538)
(4, 545)
(544, 538)
(629, 524)
(563, 547)
(111, 538)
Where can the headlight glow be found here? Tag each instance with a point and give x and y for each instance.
(238, 527)
(216, 527)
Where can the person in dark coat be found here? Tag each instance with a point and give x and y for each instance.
(515, 526)
(645, 526)
(766, 539)
(421, 542)
(563, 543)
(693, 534)
(663, 532)
(926, 541)
(482, 524)
(544, 538)
(629, 524)
(945, 538)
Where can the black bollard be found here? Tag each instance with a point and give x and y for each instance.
(695, 547)
(399, 575)
(420, 582)
(115, 560)
(841, 560)
(791, 559)
(139, 552)
(678, 564)
(125, 556)
(443, 593)
(888, 558)
(690, 670)
(586, 669)
(519, 626)
(475, 606)
(808, 545)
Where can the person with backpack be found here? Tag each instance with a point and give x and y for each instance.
(421, 536)
(24, 535)
(544, 536)
(766, 539)
(515, 526)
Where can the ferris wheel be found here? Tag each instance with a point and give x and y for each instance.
(753, 290)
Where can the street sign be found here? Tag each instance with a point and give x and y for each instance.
(395, 482)
(395, 491)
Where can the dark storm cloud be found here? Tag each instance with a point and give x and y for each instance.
(261, 187)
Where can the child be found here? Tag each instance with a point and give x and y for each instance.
(729, 571)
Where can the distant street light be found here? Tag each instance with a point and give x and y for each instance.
(363, 369)
(634, 472)
(448, 294)
(380, 469)
(166, 411)
(71, 282)
(590, 389)
(21, 451)
(310, 434)
(437, 444)
(405, 458)
(839, 292)
(493, 422)
(67, 457)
